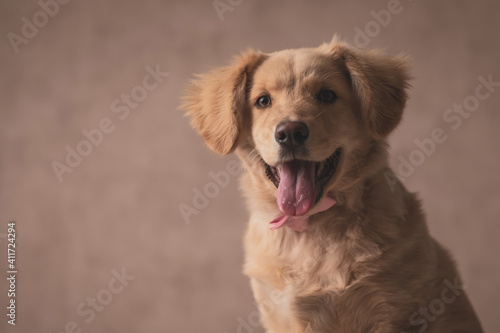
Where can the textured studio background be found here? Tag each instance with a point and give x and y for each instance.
(117, 209)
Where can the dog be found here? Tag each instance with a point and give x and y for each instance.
(331, 245)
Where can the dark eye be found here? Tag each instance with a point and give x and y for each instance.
(326, 96)
(263, 102)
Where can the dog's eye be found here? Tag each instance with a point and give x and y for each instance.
(326, 96)
(263, 102)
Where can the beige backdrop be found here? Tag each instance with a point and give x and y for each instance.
(118, 208)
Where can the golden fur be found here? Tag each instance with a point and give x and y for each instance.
(367, 264)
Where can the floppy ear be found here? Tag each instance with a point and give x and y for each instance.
(379, 83)
(216, 102)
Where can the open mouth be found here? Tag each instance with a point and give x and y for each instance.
(300, 183)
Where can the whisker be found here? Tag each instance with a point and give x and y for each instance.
(250, 153)
(355, 160)
(319, 114)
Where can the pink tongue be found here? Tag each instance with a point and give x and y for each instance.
(296, 191)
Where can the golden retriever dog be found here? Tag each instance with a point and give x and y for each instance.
(334, 243)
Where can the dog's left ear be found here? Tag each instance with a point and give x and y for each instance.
(216, 102)
(379, 83)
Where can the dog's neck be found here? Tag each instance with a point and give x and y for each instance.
(345, 235)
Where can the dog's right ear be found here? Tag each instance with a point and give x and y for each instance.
(216, 102)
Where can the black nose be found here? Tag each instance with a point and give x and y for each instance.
(291, 133)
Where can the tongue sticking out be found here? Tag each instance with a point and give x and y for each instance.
(297, 190)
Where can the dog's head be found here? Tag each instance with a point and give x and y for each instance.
(308, 120)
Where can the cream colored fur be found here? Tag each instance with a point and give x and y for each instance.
(368, 264)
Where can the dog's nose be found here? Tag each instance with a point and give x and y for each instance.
(291, 133)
